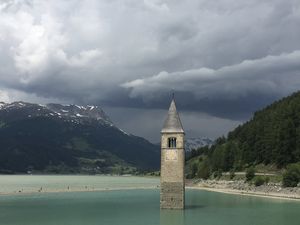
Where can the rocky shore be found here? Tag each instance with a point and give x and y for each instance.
(274, 190)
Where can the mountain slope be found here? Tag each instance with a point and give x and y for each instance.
(271, 137)
(68, 138)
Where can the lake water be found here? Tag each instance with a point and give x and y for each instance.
(131, 207)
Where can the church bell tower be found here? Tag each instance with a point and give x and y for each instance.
(172, 161)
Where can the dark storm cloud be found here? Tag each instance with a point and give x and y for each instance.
(148, 123)
(230, 91)
(226, 58)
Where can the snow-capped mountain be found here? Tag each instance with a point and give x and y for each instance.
(194, 143)
(68, 137)
(73, 113)
(79, 112)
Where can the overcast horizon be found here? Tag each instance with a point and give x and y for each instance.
(223, 59)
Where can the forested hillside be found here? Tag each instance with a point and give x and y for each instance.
(68, 139)
(271, 137)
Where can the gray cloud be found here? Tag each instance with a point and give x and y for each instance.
(225, 58)
(148, 123)
(265, 78)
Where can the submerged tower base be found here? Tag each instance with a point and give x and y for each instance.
(172, 195)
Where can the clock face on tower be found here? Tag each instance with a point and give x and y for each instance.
(171, 155)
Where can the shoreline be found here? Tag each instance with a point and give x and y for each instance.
(246, 193)
(73, 191)
(240, 187)
(237, 187)
(191, 187)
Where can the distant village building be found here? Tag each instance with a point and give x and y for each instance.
(172, 162)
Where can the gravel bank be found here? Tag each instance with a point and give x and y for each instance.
(274, 190)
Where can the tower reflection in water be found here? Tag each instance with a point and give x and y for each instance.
(171, 217)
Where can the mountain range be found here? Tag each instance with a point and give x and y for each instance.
(57, 138)
(195, 143)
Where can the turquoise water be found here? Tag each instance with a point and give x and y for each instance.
(141, 207)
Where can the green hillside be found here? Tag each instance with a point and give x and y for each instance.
(37, 139)
(271, 138)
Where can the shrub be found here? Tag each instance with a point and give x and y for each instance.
(204, 170)
(189, 176)
(258, 181)
(231, 174)
(267, 180)
(291, 177)
(250, 173)
(194, 169)
(217, 174)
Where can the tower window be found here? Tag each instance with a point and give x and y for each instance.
(172, 142)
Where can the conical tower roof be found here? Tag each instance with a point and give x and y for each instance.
(172, 123)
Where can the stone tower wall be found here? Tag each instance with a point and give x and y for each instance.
(172, 172)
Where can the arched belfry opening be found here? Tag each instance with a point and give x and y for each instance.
(172, 142)
(172, 161)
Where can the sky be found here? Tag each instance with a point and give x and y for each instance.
(223, 59)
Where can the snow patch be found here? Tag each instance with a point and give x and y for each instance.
(2, 104)
(21, 104)
(80, 107)
(123, 132)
